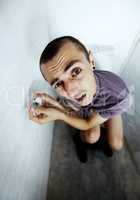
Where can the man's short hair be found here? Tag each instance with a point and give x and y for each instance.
(53, 47)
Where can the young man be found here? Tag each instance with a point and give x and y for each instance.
(97, 97)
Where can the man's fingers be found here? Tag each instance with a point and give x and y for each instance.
(42, 94)
(38, 118)
(40, 110)
(47, 98)
(44, 120)
(32, 116)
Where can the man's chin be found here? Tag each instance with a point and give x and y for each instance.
(85, 103)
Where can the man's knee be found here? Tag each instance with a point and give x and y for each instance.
(92, 140)
(92, 137)
(117, 144)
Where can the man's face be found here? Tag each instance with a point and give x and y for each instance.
(71, 75)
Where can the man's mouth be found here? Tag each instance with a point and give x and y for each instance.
(80, 98)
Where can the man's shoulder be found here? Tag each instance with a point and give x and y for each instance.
(111, 81)
(106, 73)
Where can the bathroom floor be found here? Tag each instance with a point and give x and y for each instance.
(105, 178)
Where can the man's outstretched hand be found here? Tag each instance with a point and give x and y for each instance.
(43, 115)
(50, 109)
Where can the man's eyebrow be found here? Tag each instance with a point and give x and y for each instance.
(68, 66)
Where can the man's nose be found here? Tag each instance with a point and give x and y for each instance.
(71, 89)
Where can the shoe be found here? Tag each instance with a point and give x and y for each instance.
(81, 148)
(107, 150)
(106, 147)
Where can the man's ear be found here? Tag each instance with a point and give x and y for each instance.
(91, 59)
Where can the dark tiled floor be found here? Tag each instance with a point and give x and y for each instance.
(117, 177)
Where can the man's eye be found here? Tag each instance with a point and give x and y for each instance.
(57, 84)
(76, 71)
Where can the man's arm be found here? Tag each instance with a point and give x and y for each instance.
(96, 119)
(83, 124)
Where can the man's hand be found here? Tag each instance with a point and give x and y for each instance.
(48, 101)
(43, 115)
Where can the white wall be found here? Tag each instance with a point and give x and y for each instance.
(97, 22)
(24, 145)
